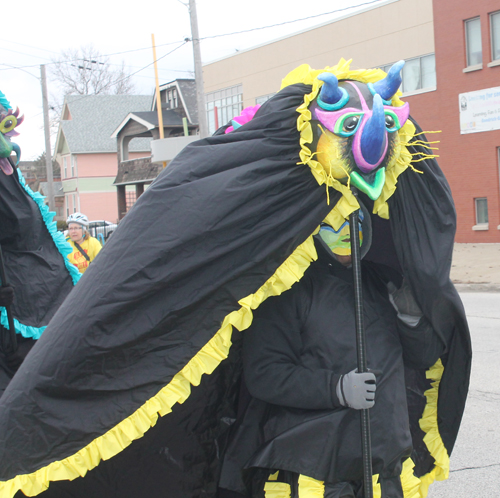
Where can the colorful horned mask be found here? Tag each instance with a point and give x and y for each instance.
(9, 120)
(355, 125)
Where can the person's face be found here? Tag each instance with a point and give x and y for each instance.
(76, 232)
(339, 241)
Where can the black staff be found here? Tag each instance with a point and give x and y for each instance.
(12, 346)
(361, 349)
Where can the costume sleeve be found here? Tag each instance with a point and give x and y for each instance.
(421, 345)
(271, 357)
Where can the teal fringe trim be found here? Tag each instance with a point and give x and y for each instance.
(27, 331)
(62, 246)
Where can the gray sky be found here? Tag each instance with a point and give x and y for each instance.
(40, 30)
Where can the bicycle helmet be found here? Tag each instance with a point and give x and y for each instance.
(79, 218)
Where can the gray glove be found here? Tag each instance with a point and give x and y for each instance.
(404, 303)
(357, 390)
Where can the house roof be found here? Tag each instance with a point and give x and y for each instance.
(95, 117)
(149, 119)
(140, 170)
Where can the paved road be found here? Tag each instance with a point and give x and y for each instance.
(475, 462)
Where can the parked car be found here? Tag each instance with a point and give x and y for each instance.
(101, 229)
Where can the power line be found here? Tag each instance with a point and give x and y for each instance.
(290, 22)
(213, 36)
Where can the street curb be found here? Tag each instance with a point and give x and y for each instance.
(477, 287)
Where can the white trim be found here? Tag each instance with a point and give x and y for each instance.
(418, 92)
(133, 117)
(494, 63)
(481, 226)
(476, 67)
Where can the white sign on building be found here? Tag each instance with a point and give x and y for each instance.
(480, 110)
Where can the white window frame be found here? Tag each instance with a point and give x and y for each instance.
(264, 98)
(225, 110)
(494, 38)
(480, 225)
(421, 89)
(74, 172)
(478, 65)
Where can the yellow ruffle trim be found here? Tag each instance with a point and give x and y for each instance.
(177, 391)
(432, 438)
(402, 158)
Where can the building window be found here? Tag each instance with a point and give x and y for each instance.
(228, 103)
(65, 166)
(130, 197)
(73, 165)
(495, 36)
(171, 98)
(74, 204)
(418, 73)
(264, 98)
(481, 204)
(473, 45)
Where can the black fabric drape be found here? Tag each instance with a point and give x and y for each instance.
(213, 227)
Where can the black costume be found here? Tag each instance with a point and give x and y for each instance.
(293, 353)
(35, 265)
(150, 337)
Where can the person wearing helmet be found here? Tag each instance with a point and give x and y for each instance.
(85, 247)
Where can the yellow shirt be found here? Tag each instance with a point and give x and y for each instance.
(90, 245)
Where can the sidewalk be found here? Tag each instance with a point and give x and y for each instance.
(476, 267)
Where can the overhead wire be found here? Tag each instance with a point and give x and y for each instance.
(208, 37)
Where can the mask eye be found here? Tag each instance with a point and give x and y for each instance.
(391, 121)
(8, 124)
(348, 124)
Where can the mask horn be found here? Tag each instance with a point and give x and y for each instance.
(387, 87)
(332, 97)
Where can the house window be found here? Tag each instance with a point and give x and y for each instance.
(130, 196)
(418, 73)
(229, 104)
(264, 98)
(74, 203)
(65, 166)
(171, 98)
(481, 204)
(473, 45)
(67, 206)
(73, 165)
(495, 36)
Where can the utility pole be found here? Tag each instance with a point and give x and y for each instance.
(46, 128)
(198, 73)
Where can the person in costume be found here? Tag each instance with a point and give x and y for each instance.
(85, 247)
(299, 358)
(150, 395)
(37, 271)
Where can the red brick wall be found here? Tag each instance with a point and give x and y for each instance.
(469, 161)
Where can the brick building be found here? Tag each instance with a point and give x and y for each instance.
(452, 54)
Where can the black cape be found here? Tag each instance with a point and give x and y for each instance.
(35, 262)
(146, 317)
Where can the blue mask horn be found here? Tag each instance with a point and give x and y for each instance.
(332, 97)
(373, 139)
(387, 87)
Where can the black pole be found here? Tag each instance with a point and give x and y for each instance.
(361, 349)
(12, 346)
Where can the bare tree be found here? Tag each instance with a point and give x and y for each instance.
(85, 71)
